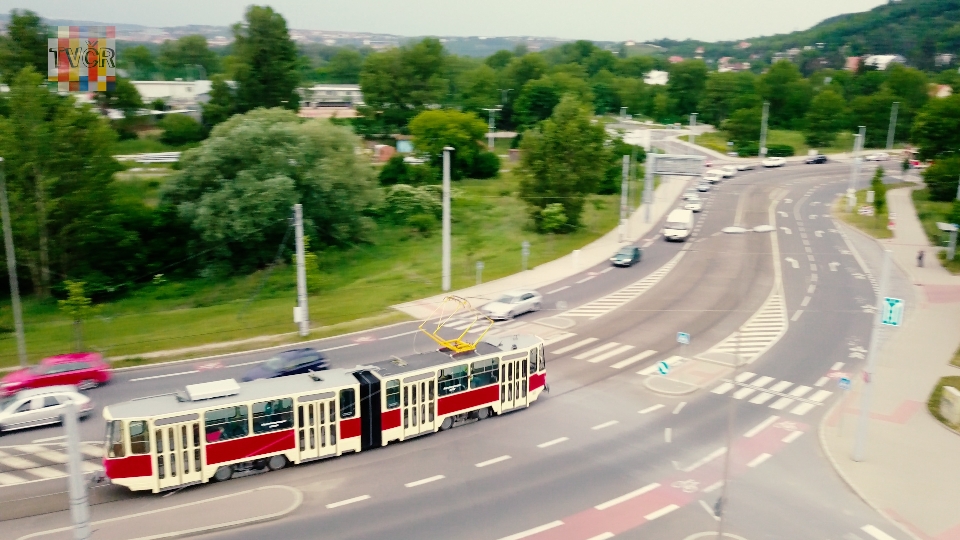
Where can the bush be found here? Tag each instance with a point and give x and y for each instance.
(180, 129)
(393, 172)
(941, 178)
(486, 165)
(748, 150)
(779, 150)
(552, 218)
(403, 202)
(423, 223)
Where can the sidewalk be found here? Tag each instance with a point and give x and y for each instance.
(911, 467)
(665, 199)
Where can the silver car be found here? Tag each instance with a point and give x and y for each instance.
(40, 407)
(512, 304)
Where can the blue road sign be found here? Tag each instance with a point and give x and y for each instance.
(683, 338)
(663, 367)
(844, 383)
(892, 312)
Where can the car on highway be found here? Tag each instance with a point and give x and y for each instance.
(678, 226)
(774, 162)
(703, 186)
(292, 362)
(746, 166)
(729, 171)
(708, 163)
(40, 407)
(627, 256)
(691, 193)
(512, 304)
(819, 158)
(694, 205)
(85, 370)
(877, 156)
(712, 176)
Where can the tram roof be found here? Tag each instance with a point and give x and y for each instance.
(416, 362)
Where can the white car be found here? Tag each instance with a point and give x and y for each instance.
(746, 166)
(712, 176)
(512, 304)
(691, 193)
(729, 171)
(703, 186)
(774, 162)
(879, 156)
(40, 407)
(694, 205)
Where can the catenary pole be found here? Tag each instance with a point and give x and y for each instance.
(893, 124)
(693, 124)
(623, 197)
(446, 218)
(763, 129)
(648, 186)
(303, 311)
(721, 507)
(12, 269)
(79, 504)
(868, 373)
(490, 126)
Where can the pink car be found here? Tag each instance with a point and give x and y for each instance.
(83, 370)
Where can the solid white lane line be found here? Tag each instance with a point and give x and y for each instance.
(796, 315)
(610, 354)
(822, 381)
(837, 366)
(340, 347)
(604, 536)
(401, 334)
(704, 460)
(588, 278)
(596, 350)
(627, 497)
(679, 407)
(533, 531)
(806, 300)
(573, 346)
(794, 435)
(758, 460)
(553, 442)
(48, 439)
(661, 512)
(425, 481)
(667, 434)
(651, 408)
(633, 359)
(348, 501)
(565, 287)
(491, 461)
(761, 426)
(876, 533)
(605, 424)
(191, 372)
(713, 487)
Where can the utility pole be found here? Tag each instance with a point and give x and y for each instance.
(446, 218)
(893, 124)
(648, 186)
(503, 96)
(623, 197)
(871, 362)
(79, 505)
(854, 172)
(490, 136)
(303, 312)
(12, 269)
(859, 159)
(722, 502)
(693, 124)
(763, 129)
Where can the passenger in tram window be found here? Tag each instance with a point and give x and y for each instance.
(215, 434)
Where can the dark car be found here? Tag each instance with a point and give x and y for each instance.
(819, 158)
(627, 256)
(288, 363)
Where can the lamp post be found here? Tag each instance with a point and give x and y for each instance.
(12, 269)
(445, 284)
(490, 136)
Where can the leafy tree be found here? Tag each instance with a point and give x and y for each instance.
(563, 160)
(25, 44)
(434, 130)
(604, 87)
(873, 112)
(613, 176)
(486, 165)
(743, 126)
(538, 98)
(345, 66)
(124, 97)
(936, 129)
(237, 188)
(635, 66)
(725, 93)
(479, 89)
(78, 308)
(686, 84)
(499, 59)
(941, 178)
(181, 57)
(788, 92)
(826, 117)
(879, 190)
(910, 85)
(403, 202)
(139, 61)
(180, 129)
(396, 171)
(553, 219)
(266, 72)
(222, 103)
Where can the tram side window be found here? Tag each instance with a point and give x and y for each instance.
(484, 372)
(272, 415)
(139, 438)
(228, 423)
(533, 361)
(543, 359)
(452, 380)
(347, 403)
(393, 394)
(115, 439)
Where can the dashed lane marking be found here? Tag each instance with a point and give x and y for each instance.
(876, 533)
(651, 408)
(348, 501)
(661, 512)
(491, 461)
(425, 481)
(533, 531)
(758, 460)
(605, 425)
(565, 287)
(792, 436)
(553, 442)
(626, 497)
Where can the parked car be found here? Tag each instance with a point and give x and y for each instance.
(819, 158)
(627, 256)
(694, 205)
(84, 370)
(878, 156)
(292, 362)
(40, 406)
(512, 304)
(729, 171)
(691, 193)
(746, 166)
(703, 186)
(774, 162)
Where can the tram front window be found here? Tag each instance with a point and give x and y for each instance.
(115, 439)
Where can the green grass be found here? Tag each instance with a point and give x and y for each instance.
(875, 225)
(357, 284)
(956, 358)
(930, 212)
(717, 140)
(933, 404)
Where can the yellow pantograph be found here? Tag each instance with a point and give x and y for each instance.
(445, 312)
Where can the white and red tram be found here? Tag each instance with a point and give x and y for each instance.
(212, 430)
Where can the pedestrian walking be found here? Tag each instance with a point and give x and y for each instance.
(920, 258)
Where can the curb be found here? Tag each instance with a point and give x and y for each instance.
(298, 499)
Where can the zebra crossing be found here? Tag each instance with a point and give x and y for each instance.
(612, 301)
(31, 462)
(758, 334)
(760, 392)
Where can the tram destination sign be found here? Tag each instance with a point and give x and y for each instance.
(677, 165)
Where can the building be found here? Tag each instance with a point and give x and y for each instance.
(852, 63)
(943, 59)
(882, 61)
(675, 59)
(331, 95)
(941, 90)
(176, 94)
(656, 77)
(726, 64)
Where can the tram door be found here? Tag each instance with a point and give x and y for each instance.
(513, 382)
(178, 459)
(317, 427)
(419, 405)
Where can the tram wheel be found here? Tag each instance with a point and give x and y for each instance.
(483, 413)
(446, 424)
(223, 473)
(277, 462)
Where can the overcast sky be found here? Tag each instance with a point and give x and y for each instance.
(602, 20)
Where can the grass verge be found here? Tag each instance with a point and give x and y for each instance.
(875, 225)
(933, 404)
(717, 140)
(956, 359)
(930, 212)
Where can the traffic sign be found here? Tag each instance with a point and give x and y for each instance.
(844, 383)
(683, 338)
(663, 367)
(892, 312)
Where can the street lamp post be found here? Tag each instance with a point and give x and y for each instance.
(893, 124)
(693, 124)
(490, 136)
(445, 281)
(868, 373)
(503, 96)
(722, 502)
(623, 197)
(763, 129)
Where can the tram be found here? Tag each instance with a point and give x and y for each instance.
(211, 431)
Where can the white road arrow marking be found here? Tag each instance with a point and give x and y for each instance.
(818, 233)
(783, 214)
(814, 203)
(833, 266)
(792, 261)
(844, 252)
(788, 201)
(786, 230)
(831, 230)
(869, 309)
(858, 275)
(813, 216)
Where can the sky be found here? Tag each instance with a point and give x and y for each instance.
(599, 20)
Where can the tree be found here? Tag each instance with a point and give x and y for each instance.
(743, 126)
(25, 44)
(78, 308)
(936, 129)
(725, 93)
(873, 112)
(139, 61)
(788, 92)
(222, 103)
(266, 72)
(479, 89)
(180, 57)
(564, 159)
(124, 97)
(941, 178)
(538, 98)
(180, 129)
(604, 88)
(345, 66)
(685, 86)
(879, 191)
(499, 59)
(826, 116)
(434, 130)
(237, 188)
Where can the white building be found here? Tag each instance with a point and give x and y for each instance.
(327, 95)
(174, 93)
(882, 61)
(656, 77)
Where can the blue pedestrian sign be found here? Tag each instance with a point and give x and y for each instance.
(844, 383)
(892, 314)
(663, 367)
(683, 338)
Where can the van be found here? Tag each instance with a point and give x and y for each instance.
(678, 226)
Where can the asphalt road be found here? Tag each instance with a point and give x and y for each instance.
(600, 434)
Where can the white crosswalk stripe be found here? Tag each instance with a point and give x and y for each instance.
(612, 301)
(33, 462)
(759, 333)
(749, 385)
